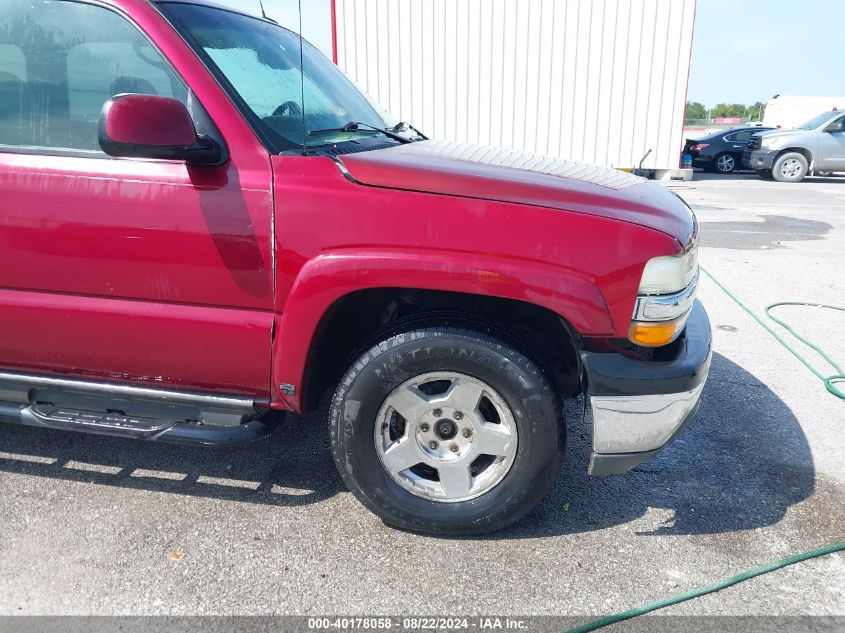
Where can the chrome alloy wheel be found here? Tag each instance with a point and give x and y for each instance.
(791, 168)
(726, 163)
(446, 436)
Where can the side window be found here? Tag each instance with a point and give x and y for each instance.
(837, 126)
(739, 137)
(96, 71)
(61, 61)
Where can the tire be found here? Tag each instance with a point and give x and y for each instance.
(790, 167)
(456, 488)
(724, 163)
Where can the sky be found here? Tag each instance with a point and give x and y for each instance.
(746, 51)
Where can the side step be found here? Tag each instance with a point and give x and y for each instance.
(151, 429)
(128, 411)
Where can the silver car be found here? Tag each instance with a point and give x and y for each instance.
(790, 155)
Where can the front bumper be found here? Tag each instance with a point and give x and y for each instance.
(759, 159)
(639, 406)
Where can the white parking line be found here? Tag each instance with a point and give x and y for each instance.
(791, 206)
(288, 491)
(158, 474)
(231, 483)
(704, 184)
(93, 468)
(791, 235)
(35, 459)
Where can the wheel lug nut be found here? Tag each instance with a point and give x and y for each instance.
(459, 415)
(424, 428)
(432, 445)
(453, 447)
(466, 432)
(437, 413)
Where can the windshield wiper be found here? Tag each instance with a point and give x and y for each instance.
(402, 125)
(354, 126)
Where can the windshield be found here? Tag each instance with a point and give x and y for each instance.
(262, 64)
(819, 120)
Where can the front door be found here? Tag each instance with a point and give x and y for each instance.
(832, 147)
(120, 270)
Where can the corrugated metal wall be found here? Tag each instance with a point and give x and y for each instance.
(595, 80)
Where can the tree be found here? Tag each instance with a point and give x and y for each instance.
(695, 110)
(699, 111)
(728, 110)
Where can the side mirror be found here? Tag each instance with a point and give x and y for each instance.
(149, 126)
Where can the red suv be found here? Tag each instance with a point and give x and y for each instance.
(204, 223)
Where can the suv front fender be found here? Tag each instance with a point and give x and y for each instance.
(331, 276)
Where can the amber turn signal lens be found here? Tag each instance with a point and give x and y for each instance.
(655, 334)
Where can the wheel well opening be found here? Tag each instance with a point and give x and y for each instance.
(798, 150)
(358, 320)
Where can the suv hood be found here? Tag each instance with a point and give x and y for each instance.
(474, 171)
(784, 132)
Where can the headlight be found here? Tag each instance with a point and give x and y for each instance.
(667, 275)
(769, 143)
(666, 295)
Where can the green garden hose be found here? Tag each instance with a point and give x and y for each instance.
(831, 382)
(711, 588)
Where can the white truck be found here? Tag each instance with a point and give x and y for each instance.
(790, 111)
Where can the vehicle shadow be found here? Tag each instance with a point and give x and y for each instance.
(746, 174)
(740, 464)
(703, 174)
(292, 467)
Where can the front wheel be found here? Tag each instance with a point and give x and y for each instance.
(790, 167)
(446, 431)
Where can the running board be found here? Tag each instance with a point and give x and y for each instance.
(128, 411)
(136, 427)
(25, 382)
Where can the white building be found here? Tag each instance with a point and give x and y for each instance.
(601, 81)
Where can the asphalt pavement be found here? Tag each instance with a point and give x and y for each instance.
(96, 525)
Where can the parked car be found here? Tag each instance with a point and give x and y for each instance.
(190, 249)
(721, 151)
(790, 155)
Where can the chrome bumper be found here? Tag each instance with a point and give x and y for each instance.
(635, 424)
(629, 430)
(639, 406)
